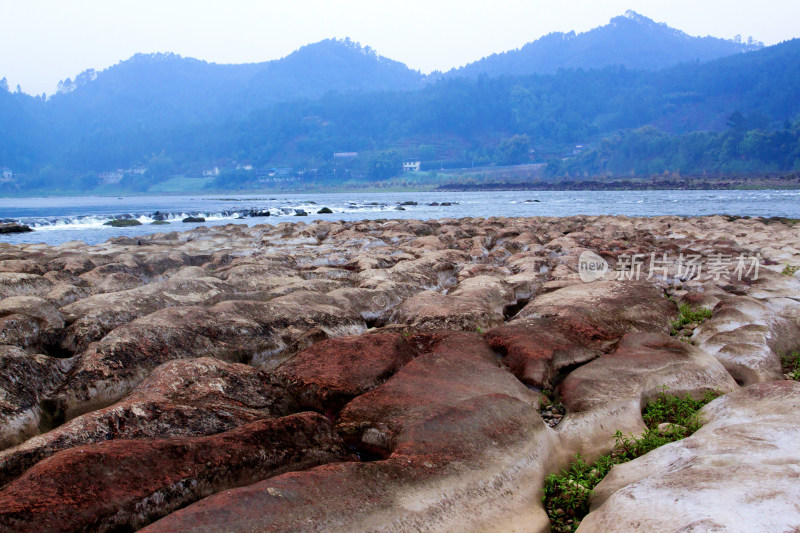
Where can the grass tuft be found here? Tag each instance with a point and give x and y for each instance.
(791, 365)
(566, 494)
(789, 270)
(688, 315)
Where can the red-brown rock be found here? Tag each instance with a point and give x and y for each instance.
(329, 374)
(183, 398)
(125, 484)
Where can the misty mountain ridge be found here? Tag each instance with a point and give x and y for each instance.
(631, 40)
(165, 86)
(181, 116)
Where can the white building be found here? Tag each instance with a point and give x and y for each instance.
(345, 155)
(411, 166)
(6, 174)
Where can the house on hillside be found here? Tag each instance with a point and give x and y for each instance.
(6, 175)
(411, 166)
(345, 155)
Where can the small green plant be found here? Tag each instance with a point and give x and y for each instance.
(688, 315)
(791, 365)
(790, 270)
(479, 330)
(566, 494)
(676, 411)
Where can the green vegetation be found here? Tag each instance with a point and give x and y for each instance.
(566, 495)
(159, 223)
(744, 147)
(688, 315)
(122, 223)
(791, 365)
(181, 117)
(790, 270)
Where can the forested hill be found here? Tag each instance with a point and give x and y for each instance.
(176, 116)
(168, 89)
(632, 40)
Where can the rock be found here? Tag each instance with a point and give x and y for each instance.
(128, 483)
(372, 305)
(439, 378)
(434, 477)
(738, 472)
(22, 266)
(607, 394)
(447, 438)
(300, 213)
(122, 223)
(324, 211)
(29, 322)
(667, 427)
(13, 227)
(24, 380)
(92, 318)
(16, 284)
(259, 213)
(603, 311)
(193, 219)
(234, 331)
(575, 324)
(431, 310)
(748, 338)
(183, 398)
(159, 223)
(329, 374)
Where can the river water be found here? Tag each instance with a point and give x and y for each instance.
(59, 220)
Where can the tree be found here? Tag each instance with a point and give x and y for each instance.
(385, 165)
(513, 151)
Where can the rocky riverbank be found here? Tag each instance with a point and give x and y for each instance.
(397, 375)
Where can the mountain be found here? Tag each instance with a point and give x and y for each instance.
(161, 89)
(632, 40)
(179, 116)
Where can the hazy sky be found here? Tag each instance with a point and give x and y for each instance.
(44, 41)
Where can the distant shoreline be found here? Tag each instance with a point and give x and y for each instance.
(791, 182)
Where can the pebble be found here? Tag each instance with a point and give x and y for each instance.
(553, 414)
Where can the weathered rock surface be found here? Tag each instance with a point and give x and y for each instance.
(234, 331)
(128, 483)
(463, 443)
(182, 398)
(608, 394)
(576, 323)
(24, 380)
(29, 322)
(748, 338)
(445, 374)
(92, 318)
(173, 337)
(330, 373)
(739, 472)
